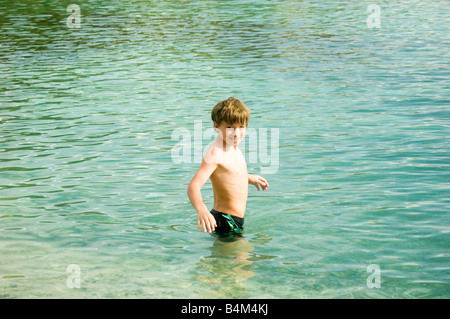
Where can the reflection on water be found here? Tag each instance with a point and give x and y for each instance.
(228, 266)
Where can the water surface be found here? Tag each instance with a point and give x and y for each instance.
(87, 178)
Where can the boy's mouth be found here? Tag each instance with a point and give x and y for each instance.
(235, 141)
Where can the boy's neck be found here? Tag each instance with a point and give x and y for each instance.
(227, 147)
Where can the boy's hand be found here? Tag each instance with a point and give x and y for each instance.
(257, 181)
(206, 221)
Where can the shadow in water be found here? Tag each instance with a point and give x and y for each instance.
(228, 266)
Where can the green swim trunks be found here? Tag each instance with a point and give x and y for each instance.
(227, 223)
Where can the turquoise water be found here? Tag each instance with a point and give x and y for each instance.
(87, 177)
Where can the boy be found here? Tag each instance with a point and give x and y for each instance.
(225, 166)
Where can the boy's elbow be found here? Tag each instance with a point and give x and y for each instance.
(191, 187)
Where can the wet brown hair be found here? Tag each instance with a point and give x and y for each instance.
(231, 111)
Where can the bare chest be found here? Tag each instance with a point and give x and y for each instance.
(233, 165)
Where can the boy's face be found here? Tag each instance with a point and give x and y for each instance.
(232, 134)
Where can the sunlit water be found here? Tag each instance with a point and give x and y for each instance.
(87, 175)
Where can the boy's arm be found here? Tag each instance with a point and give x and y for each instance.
(206, 220)
(257, 181)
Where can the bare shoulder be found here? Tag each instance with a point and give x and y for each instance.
(213, 155)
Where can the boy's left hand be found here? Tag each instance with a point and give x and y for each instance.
(258, 181)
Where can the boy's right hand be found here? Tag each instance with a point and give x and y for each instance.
(206, 221)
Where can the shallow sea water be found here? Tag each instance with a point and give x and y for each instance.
(87, 175)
